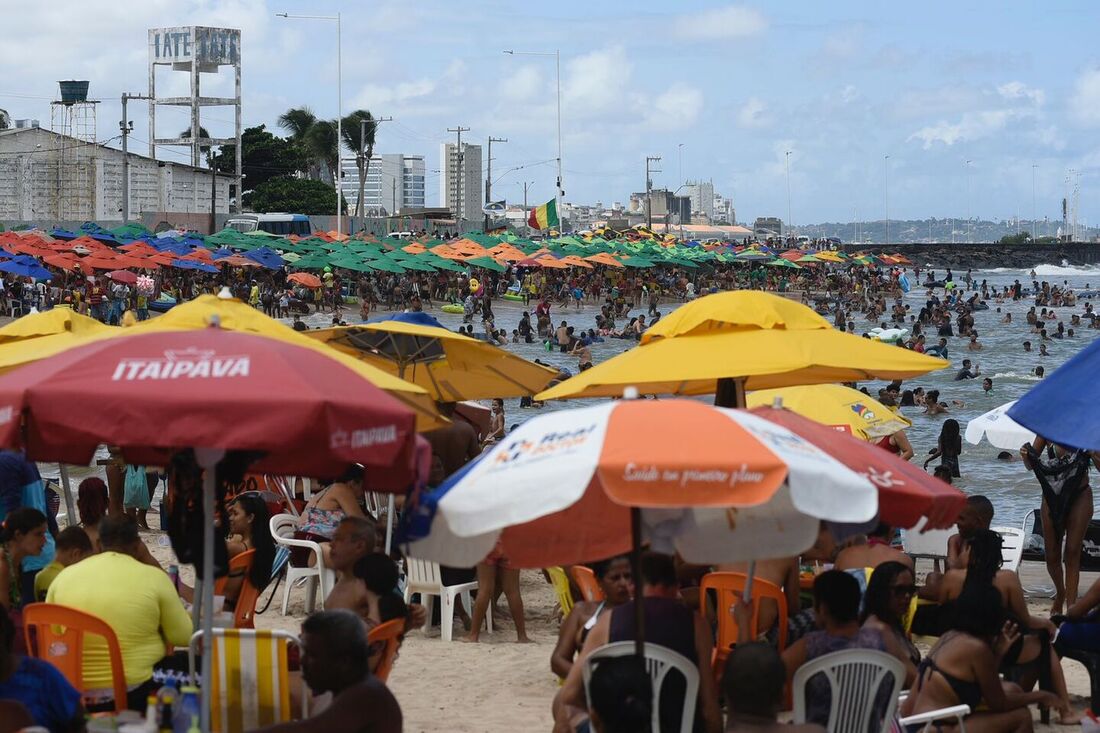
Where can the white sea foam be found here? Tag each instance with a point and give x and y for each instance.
(1064, 269)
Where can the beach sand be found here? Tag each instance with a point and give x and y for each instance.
(499, 685)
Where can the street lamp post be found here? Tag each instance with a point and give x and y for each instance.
(968, 219)
(1034, 222)
(886, 195)
(337, 174)
(557, 66)
(787, 160)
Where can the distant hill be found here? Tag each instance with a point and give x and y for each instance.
(930, 230)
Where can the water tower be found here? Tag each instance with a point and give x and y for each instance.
(196, 50)
(73, 116)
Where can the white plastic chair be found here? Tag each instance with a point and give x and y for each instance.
(931, 545)
(424, 577)
(855, 677)
(659, 661)
(958, 712)
(317, 577)
(1012, 551)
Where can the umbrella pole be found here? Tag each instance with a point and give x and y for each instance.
(208, 458)
(636, 571)
(391, 507)
(730, 392)
(67, 488)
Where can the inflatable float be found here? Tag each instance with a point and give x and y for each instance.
(453, 308)
(889, 335)
(513, 296)
(163, 304)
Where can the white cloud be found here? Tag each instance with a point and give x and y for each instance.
(1084, 104)
(676, 108)
(996, 109)
(721, 24)
(1019, 90)
(753, 113)
(595, 82)
(525, 84)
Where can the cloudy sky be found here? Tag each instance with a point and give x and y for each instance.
(1007, 86)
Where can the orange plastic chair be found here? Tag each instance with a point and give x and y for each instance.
(389, 632)
(587, 583)
(245, 607)
(727, 586)
(55, 634)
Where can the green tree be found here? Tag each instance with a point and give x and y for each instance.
(299, 121)
(324, 145)
(5, 119)
(204, 149)
(264, 156)
(1021, 238)
(360, 129)
(298, 195)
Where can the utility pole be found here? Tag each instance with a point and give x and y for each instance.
(968, 218)
(1034, 221)
(790, 222)
(489, 174)
(127, 127)
(526, 227)
(648, 188)
(458, 173)
(886, 166)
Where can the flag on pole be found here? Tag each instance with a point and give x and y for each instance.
(545, 216)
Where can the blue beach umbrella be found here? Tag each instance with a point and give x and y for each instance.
(1062, 407)
(267, 257)
(24, 269)
(420, 319)
(194, 265)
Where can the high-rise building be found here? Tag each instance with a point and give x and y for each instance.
(395, 182)
(460, 185)
(701, 194)
(723, 210)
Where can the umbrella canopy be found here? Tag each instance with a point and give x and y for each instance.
(1059, 408)
(486, 262)
(764, 340)
(906, 492)
(450, 366)
(999, 429)
(836, 406)
(558, 489)
(30, 269)
(54, 322)
(305, 279)
(156, 392)
(123, 276)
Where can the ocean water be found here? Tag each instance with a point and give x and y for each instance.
(1010, 486)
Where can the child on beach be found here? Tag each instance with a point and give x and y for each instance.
(948, 447)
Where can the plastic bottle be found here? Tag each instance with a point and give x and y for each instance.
(167, 701)
(150, 723)
(188, 707)
(194, 725)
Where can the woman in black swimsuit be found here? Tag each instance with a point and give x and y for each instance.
(618, 586)
(885, 603)
(962, 669)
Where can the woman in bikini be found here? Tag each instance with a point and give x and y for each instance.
(982, 555)
(324, 511)
(963, 669)
(886, 601)
(618, 586)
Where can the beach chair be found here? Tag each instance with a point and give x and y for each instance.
(561, 589)
(855, 677)
(250, 684)
(659, 661)
(931, 545)
(727, 587)
(1012, 551)
(389, 633)
(55, 634)
(317, 577)
(586, 582)
(424, 578)
(245, 607)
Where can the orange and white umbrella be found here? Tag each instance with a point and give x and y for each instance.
(714, 484)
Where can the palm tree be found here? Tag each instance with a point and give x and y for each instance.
(205, 149)
(360, 128)
(5, 119)
(298, 121)
(324, 146)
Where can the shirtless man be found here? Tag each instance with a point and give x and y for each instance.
(781, 572)
(875, 551)
(456, 444)
(496, 422)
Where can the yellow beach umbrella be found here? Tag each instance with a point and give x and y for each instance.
(37, 335)
(836, 406)
(450, 366)
(726, 343)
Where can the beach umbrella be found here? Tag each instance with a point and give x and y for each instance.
(450, 366)
(725, 343)
(267, 257)
(185, 264)
(836, 406)
(1060, 408)
(293, 409)
(304, 279)
(999, 429)
(24, 269)
(123, 276)
(486, 262)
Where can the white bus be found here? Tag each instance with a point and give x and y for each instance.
(281, 224)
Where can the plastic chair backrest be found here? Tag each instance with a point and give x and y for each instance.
(55, 634)
(1012, 551)
(561, 588)
(241, 562)
(424, 573)
(586, 581)
(931, 545)
(250, 682)
(855, 678)
(659, 661)
(389, 632)
(727, 586)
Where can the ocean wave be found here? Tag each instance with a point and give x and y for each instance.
(1063, 269)
(1015, 375)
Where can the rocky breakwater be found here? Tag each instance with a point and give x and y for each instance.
(961, 257)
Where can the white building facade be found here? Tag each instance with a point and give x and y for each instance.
(47, 176)
(461, 188)
(395, 182)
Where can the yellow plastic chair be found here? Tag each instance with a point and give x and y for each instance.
(250, 685)
(560, 581)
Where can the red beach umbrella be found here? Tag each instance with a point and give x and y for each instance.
(906, 493)
(123, 276)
